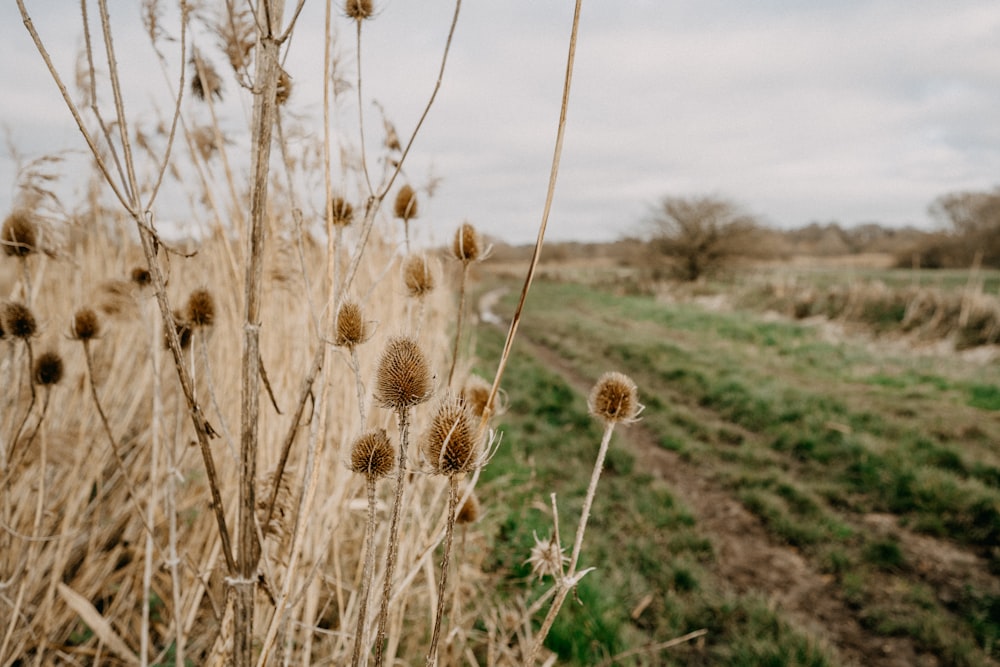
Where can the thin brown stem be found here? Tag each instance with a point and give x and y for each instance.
(390, 558)
(536, 254)
(445, 561)
(360, 642)
(458, 324)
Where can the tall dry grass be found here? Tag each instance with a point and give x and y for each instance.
(185, 492)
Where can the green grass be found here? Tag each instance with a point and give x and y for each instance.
(640, 539)
(809, 434)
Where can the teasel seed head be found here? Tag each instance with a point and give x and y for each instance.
(467, 246)
(450, 444)
(19, 235)
(614, 398)
(284, 90)
(19, 321)
(403, 377)
(418, 275)
(201, 308)
(183, 329)
(359, 10)
(141, 276)
(343, 212)
(406, 203)
(373, 455)
(48, 369)
(469, 511)
(351, 326)
(475, 393)
(546, 558)
(86, 326)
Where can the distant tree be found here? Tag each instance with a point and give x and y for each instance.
(975, 220)
(700, 233)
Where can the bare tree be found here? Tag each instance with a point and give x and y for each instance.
(974, 218)
(700, 233)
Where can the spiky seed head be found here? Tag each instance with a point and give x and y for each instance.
(469, 511)
(205, 80)
(351, 326)
(614, 398)
(18, 320)
(359, 10)
(450, 444)
(418, 275)
(403, 377)
(475, 393)
(19, 235)
(284, 90)
(466, 247)
(343, 212)
(48, 369)
(373, 455)
(546, 558)
(201, 308)
(406, 203)
(85, 324)
(141, 277)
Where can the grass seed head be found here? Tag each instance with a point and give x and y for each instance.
(359, 10)
(343, 212)
(351, 326)
(201, 308)
(403, 378)
(467, 246)
(19, 236)
(418, 275)
(406, 203)
(469, 512)
(373, 455)
(86, 326)
(614, 398)
(450, 444)
(19, 321)
(48, 369)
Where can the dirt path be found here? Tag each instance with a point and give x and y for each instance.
(747, 558)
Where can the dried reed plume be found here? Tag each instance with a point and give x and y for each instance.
(19, 235)
(205, 81)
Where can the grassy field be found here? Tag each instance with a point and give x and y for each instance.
(875, 467)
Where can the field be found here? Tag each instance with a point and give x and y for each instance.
(808, 498)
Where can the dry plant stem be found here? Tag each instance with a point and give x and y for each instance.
(361, 115)
(445, 559)
(360, 641)
(264, 113)
(203, 351)
(654, 648)
(553, 174)
(147, 564)
(31, 406)
(458, 324)
(390, 558)
(568, 581)
(356, 364)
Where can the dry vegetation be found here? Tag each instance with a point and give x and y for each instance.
(253, 447)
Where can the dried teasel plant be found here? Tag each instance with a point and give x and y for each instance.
(341, 212)
(406, 208)
(451, 448)
(373, 456)
(352, 331)
(359, 10)
(614, 400)
(402, 380)
(467, 248)
(19, 237)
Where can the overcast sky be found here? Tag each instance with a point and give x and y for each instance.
(799, 111)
